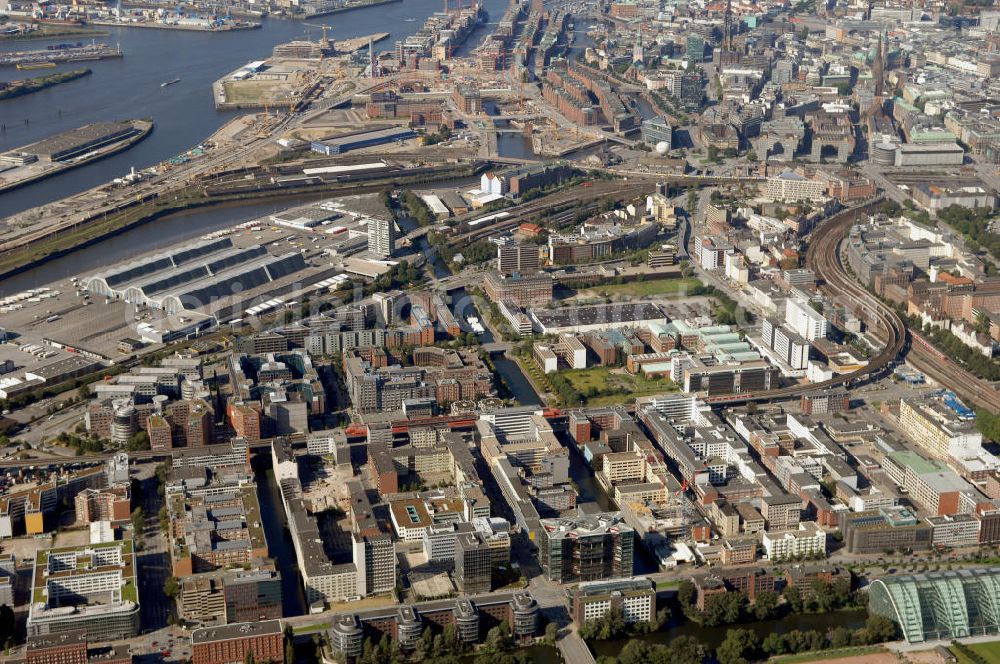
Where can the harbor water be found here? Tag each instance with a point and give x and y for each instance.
(184, 113)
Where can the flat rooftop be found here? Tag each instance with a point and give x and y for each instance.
(236, 631)
(68, 140)
(598, 314)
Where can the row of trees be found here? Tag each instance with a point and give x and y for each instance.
(400, 276)
(975, 224)
(986, 368)
(443, 647)
(734, 607)
(416, 209)
(742, 646)
(988, 424)
(614, 626)
(681, 650)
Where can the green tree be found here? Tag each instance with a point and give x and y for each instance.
(739, 647)
(551, 633)
(498, 638)
(171, 587)
(686, 650)
(765, 605)
(840, 637)
(248, 658)
(138, 523)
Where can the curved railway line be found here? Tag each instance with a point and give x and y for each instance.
(823, 256)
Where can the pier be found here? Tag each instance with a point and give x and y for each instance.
(44, 58)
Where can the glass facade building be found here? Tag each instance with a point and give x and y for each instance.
(940, 605)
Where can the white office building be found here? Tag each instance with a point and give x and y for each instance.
(804, 320)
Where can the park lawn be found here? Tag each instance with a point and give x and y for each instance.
(960, 656)
(989, 651)
(827, 655)
(603, 378)
(652, 287)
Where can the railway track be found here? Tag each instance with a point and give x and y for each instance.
(823, 256)
(938, 366)
(531, 211)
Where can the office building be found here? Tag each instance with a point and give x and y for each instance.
(518, 259)
(804, 320)
(252, 595)
(657, 130)
(231, 644)
(91, 587)
(936, 428)
(72, 648)
(473, 563)
(885, 529)
(586, 548)
(806, 541)
(635, 598)
(381, 238)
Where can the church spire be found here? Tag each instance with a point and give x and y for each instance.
(727, 37)
(878, 69)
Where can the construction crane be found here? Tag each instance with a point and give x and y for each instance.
(325, 43)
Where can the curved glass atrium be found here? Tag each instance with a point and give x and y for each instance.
(940, 605)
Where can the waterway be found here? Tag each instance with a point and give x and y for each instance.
(159, 234)
(279, 541)
(184, 113)
(713, 636)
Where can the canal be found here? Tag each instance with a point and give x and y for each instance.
(279, 541)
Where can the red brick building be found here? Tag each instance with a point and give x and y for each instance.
(229, 644)
(245, 420)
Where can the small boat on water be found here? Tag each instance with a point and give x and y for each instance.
(36, 65)
(166, 83)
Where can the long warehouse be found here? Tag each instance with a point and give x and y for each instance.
(193, 275)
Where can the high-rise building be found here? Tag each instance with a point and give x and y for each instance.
(695, 48)
(111, 504)
(805, 320)
(691, 90)
(160, 434)
(473, 563)
(381, 237)
(588, 548)
(518, 259)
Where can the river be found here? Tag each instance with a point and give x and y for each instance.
(184, 113)
(159, 234)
